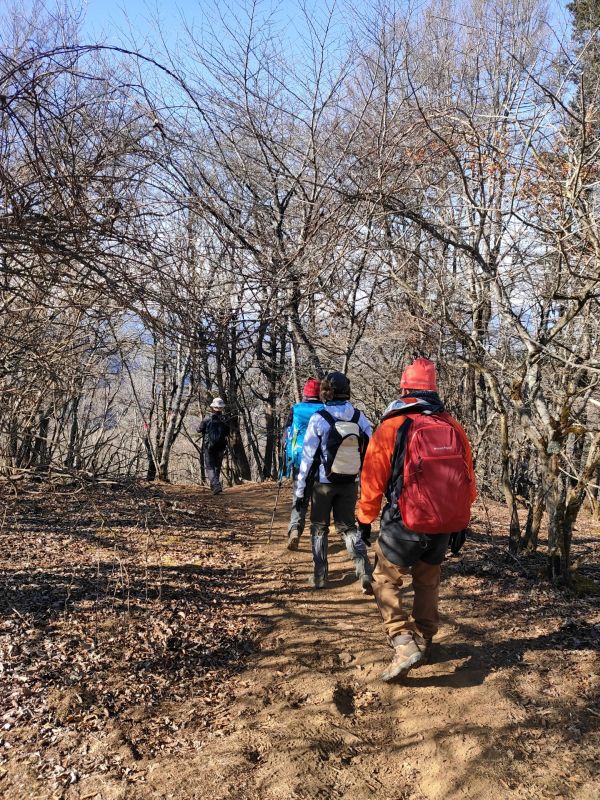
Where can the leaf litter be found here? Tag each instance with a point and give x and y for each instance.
(122, 626)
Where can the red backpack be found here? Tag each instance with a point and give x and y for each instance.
(435, 491)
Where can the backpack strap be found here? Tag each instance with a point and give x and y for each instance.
(332, 420)
(318, 457)
(327, 416)
(394, 488)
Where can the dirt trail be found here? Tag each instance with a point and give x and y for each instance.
(311, 719)
(155, 644)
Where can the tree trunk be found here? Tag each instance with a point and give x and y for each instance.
(559, 538)
(514, 541)
(151, 468)
(294, 367)
(40, 447)
(174, 412)
(241, 465)
(594, 495)
(70, 459)
(534, 518)
(269, 468)
(299, 331)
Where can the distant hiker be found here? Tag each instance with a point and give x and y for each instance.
(215, 430)
(297, 423)
(420, 459)
(334, 445)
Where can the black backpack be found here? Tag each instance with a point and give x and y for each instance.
(215, 437)
(343, 448)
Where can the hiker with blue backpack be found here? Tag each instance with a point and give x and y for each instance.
(334, 445)
(215, 432)
(297, 424)
(419, 459)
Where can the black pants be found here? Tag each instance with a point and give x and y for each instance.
(340, 499)
(213, 460)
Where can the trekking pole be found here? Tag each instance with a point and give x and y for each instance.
(279, 482)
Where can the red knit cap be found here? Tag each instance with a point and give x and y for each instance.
(419, 375)
(311, 388)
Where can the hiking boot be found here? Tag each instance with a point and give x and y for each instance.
(293, 539)
(363, 573)
(427, 648)
(409, 652)
(318, 581)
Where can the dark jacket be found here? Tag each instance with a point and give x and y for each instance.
(205, 425)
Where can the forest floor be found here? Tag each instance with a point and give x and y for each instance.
(155, 644)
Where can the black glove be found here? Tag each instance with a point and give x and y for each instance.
(456, 541)
(299, 503)
(364, 528)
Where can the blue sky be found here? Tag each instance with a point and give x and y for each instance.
(138, 17)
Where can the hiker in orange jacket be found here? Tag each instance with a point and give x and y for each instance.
(419, 458)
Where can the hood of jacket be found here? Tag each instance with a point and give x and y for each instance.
(422, 402)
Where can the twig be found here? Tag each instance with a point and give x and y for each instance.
(519, 564)
(489, 529)
(68, 595)
(18, 613)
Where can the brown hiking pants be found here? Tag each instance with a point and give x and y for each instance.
(387, 584)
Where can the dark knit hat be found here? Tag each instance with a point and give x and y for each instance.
(340, 384)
